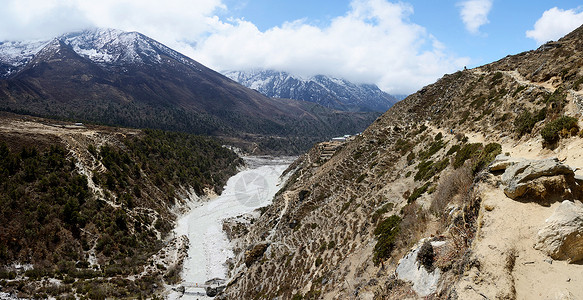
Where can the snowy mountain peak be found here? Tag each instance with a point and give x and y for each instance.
(106, 47)
(327, 91)
(112, 46)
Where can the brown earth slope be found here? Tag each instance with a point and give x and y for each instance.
(329, 231)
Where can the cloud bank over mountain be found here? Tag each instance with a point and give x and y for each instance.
(374, 42)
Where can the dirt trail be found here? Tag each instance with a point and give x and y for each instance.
(509, 265)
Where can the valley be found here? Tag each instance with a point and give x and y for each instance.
(469, 188)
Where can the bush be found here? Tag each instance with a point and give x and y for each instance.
(433, 148)
(525, 122)
(318, 262)
(453, 149)
(465, 153)
(381, 211)
(550, 133)
(418, 192)
(428, 169)
(486, 156)
(457, 182)
(426, 256)
(386, 233)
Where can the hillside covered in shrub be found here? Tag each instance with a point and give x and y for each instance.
(86, 204)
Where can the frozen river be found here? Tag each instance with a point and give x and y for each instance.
(252, 188)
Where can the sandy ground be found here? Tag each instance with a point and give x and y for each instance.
(510, 267)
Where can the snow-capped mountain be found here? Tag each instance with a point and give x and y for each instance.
(106, 47)
(327, 91)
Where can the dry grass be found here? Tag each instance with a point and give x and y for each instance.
(455, 183)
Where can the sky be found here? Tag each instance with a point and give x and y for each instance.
(399, 45)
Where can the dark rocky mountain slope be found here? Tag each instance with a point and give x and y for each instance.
(128, 79)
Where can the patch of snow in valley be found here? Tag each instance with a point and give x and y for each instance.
(252, 188)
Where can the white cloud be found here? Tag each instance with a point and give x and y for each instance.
(474, 14)
(374, 42)
(168, 21)
(554, 24)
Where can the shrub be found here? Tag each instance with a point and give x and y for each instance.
(486, 156)
(525, 122)
(298, 296)
(386, 232)
(318, 262)
(403, 146)
(331, 245)
(465, 153)
(411, 156)
(381, 211)
(428, 169)
(457, 182)
(426, 256)
(433, 148)
(460, 137)
(453, 149)
(418, 192)
(550, 133)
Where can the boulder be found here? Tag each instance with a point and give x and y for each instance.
(410, 269)
(544, 180)
(562, 236)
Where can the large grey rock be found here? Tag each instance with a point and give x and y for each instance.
(409, 269)
(562, 236)
(540, 180)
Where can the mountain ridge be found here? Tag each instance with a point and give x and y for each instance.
(325, 90)
(127, 79)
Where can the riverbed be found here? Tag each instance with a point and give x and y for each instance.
(209, 250)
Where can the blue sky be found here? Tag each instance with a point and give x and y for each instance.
(504, 34)
(398, 45)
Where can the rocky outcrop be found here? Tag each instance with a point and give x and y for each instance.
(255, 254)
(411, 269)
(543, 181)
(562, 236)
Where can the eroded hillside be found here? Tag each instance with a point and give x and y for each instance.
(414, 192)
(86, 211)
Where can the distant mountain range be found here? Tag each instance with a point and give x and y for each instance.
(125, 78)
(327, 91)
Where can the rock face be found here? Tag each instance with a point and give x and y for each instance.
(543, 181)
(562, 236)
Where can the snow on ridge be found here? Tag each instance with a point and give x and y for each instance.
(17, 53)
(325, 90)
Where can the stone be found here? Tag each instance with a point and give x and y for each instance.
(409, 269)
(542, 180)
(562, 235)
